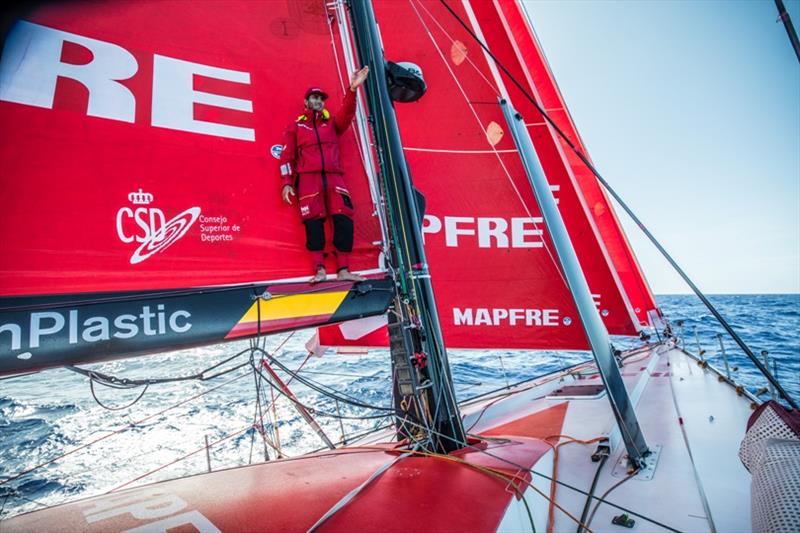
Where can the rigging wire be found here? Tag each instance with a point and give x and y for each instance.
(126, 383)
(318, 412)
(256, 349)
(17, 494)
(123, 384)
(258, 418)
(179, 459)
(592, 488)
(259, 413)
(118, 431)
(602, 498)
(321, 388)
(585, 160)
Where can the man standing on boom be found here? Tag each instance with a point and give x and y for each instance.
(312, 172)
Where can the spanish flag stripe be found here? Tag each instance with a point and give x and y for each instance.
(294, 306)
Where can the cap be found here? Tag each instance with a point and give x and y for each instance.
(316, 90)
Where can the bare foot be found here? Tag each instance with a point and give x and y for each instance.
(346, 275)
(321, 275)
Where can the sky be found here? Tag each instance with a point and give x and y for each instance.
(691, 111)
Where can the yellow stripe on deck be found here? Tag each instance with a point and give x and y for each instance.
(295, 305)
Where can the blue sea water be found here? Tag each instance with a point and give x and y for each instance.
(163, 435)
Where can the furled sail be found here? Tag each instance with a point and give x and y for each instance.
(138, 147)
(492, 263)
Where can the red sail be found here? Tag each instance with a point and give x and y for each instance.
(539, 78)
(139, 142)
(492, 263)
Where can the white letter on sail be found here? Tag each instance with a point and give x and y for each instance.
(174, 98)
(489, 227)
(16, 335)
(452, 231)
(430, 224)
(519, 232)
(31, 65)
(462, 318)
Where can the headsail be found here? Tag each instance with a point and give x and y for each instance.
(539, 78)
(491, 259)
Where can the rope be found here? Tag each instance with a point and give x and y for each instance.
(314, 411)
(320, 388)
(554, 481)
(588, 504)
(104, 406)
(506, 477)
(561, 483)
(125, 383)
(606, 493)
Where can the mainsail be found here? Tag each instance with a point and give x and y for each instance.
(139, 145)
(150, 145)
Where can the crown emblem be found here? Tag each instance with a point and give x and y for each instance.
(140, 197)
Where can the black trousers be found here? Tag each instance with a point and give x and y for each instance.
(342, 236)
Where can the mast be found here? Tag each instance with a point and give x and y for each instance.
(420, 359)
(590, 319)
(783, 16)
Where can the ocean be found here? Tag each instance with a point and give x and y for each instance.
(53, 428)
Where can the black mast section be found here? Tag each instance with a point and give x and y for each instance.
(783, 15)
(416, 332)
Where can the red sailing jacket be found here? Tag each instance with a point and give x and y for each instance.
(311, 142)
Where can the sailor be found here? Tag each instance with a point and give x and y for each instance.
(312, 172)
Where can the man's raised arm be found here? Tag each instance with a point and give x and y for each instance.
(346, 113)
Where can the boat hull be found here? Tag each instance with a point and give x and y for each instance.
(521, 439)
